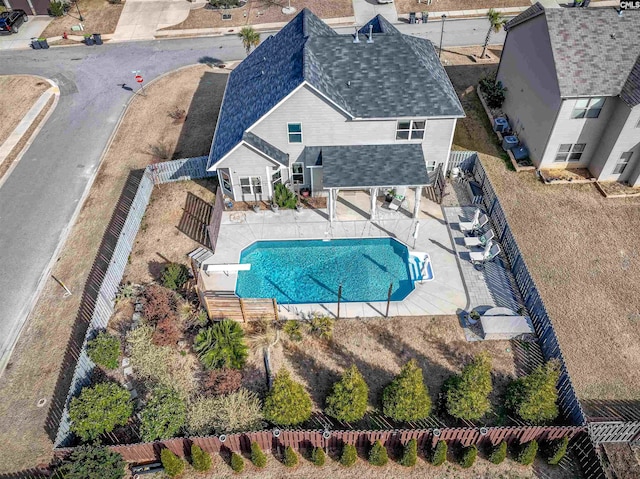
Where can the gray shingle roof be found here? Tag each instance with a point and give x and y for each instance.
(373, 165)
(596, 51)
(266, 148)
(396, 76)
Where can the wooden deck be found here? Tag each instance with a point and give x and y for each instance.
(229, 306)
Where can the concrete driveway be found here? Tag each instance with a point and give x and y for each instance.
(141, 18)
(365, 10)
(33, 28)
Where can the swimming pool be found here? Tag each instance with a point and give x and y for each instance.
(310, 271)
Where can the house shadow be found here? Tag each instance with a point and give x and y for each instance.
(195, 219)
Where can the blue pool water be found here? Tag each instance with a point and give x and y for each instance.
(310, 271)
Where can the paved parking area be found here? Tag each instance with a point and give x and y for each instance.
(140, 19)
(22, 40)
(365, 10)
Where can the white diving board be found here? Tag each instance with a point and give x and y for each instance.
(226, 267)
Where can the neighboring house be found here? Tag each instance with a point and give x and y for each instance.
(313, 109)
(32, 7)
(573, 88)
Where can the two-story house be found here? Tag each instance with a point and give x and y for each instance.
(573, 88)
(314, 109)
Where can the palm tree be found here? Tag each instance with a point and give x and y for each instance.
(496, 22)
(250, 38)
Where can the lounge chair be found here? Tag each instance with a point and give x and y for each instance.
(470, 227)
(398, 199)
(479, 241)
(490, 252)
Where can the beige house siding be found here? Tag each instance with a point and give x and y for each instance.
(527, 70)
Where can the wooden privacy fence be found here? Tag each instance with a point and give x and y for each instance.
(239, 309)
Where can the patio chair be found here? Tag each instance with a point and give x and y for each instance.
(398, 199)
(473, 226)
(490, 252)
(479, 241)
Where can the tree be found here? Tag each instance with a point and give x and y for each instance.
(290, 457)
(499, 453)
(258, 458)
(237, 463)
(496, 22)
(174, 276)
(534, 397)
(104, 350)
(93, 461)
(318, 457)
(378, 455)
(200, 460)
(99, 409)
(221, 345)
(349, 396)
(409, 454)
(407, 398)
(469, 456)
(173, 465)
(250, 38)
(557, 450)
(439, 454)
(287, 403)
(527, 453)
(467, 393)
(349, 455)
(164, 415)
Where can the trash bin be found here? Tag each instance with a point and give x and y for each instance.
(97, 38)
(425, 17)
(43, 43)
(35, 44)
(412, 17)
(88, 40)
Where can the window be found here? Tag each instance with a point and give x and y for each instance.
(624, 160)
(431, 166)
(226, 181)
(587, 108)
(297, 173)
(569, 152)
(251, 185)
(410, 130)
(276, 178)
(295, 132)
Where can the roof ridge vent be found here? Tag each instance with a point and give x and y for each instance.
(370, 39)
(356, 39)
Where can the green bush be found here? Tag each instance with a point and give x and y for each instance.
(237, 462)
(318, 457)
(222, 346)
(349, 396)
(99, 409)
(469, 456)
(56, 8)
(534, 397)
(407, 398)
(467, 393)
(493, 92)
(527, 453)
(287, 403)
(349, 455)
(284, 197)
(92, 461)
(173, 465)
(378, 455)
(258, 458)
(104, 350)
(499, 453)
(293, 330)
(174, 276)
(200, 460)
(557, 450)
(164, 415)
(224, 3)
(290, 457)
(321, 326)
(409, 454)
(439, 454)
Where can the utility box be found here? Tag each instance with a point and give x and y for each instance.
(500, 125)
(509, 142)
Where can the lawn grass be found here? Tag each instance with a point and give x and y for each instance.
(406, 6)
(98, 16)
(18, 93)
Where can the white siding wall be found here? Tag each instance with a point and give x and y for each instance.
(438, 137)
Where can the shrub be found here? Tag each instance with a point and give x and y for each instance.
(439, 454)
(167, 332)
(236, 412)
(290, 457)
(467, 394)
(258, 458)
(409, 454)
(200, 460)
(99, 409)
(56, 8)
(349, 455)
(92, 461)
(349, 396)
(527, 453)
(222, 381)
(321, 326)
(159, 303)
(293, 330)
(287, 403)
(493, 91)
(469, 456)
(534, 397)
(557, 450)
(164, 415)
(104, 350)
(237, 463)
(174, 276)
(407, 398)
(224, 3)
(318, 457)
(125, 291)
(499, 453)
(173, 465)
(222, 346)
(378, 455)
(284, 197)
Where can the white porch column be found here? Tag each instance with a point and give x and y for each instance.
(416, 206)
(335, 203)
(374, 193)
(330, 204)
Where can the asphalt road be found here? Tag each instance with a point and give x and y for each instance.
(39, 199)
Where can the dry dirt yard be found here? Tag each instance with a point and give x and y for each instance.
(582, 250)
(406, 6)
(99, 16)
(262, 11)
(18, 93)
(43, 360)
